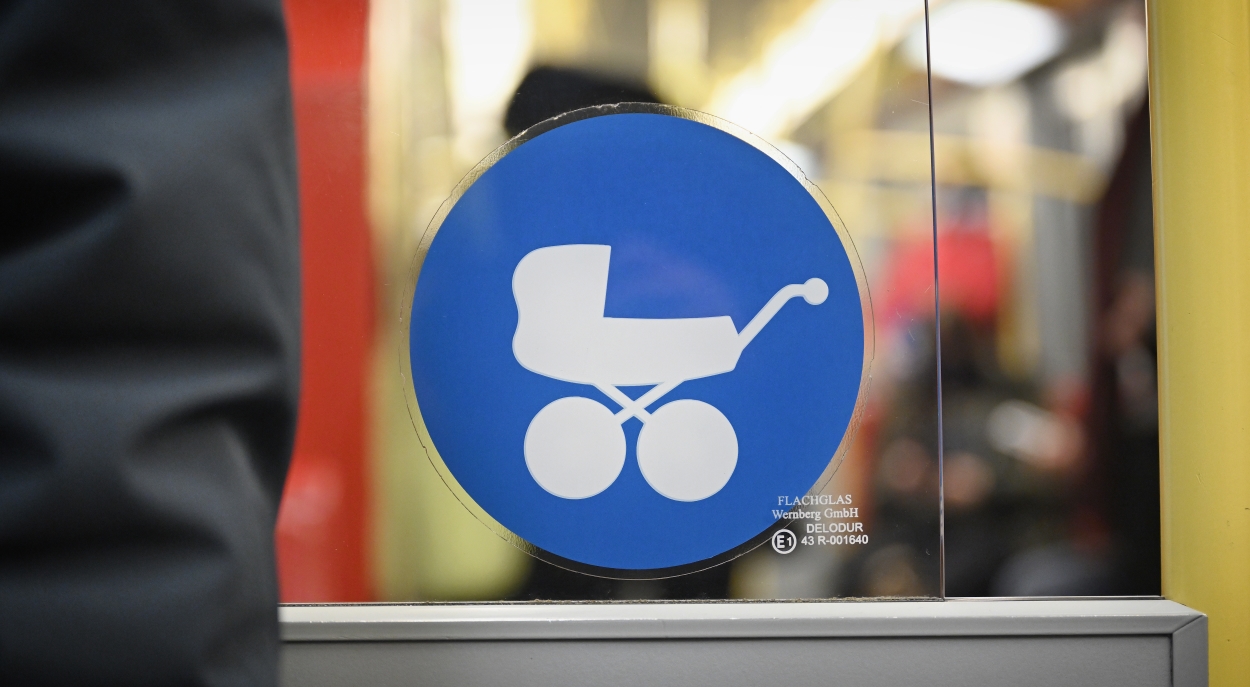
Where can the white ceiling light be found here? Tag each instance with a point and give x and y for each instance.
(806, 64)
(987, 42)
(487, 44)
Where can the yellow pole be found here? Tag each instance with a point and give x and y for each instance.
(1200, 130)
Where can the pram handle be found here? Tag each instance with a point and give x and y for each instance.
(814, 291)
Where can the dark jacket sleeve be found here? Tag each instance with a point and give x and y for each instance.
(149, 337)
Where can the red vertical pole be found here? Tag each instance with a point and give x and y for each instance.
(322, 535)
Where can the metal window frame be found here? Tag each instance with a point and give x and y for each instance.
(1137, 641)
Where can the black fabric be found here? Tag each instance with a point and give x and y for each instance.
(148, 339)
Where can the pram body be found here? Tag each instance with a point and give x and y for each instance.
(561, 332)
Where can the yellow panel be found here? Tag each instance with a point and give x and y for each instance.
(1200, 111)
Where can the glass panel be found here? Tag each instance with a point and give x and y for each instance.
(1042, 165)
(827, 84)
(1046, 272)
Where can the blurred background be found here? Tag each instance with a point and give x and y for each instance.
(1045, 262)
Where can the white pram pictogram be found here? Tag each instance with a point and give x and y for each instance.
(575, 447)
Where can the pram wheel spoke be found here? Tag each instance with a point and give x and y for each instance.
(574, 448)
(688, 450)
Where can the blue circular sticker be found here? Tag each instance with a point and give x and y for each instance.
(635, 337)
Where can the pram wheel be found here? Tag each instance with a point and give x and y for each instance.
(574, 448)
(687, 450)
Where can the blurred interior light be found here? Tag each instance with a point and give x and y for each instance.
(802, 156)
(1033, 435)
(808, 63)
(678, 48)
(1114, 75)
(487, 44)
(986, 42)
(1095, 92)
(679, 30)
